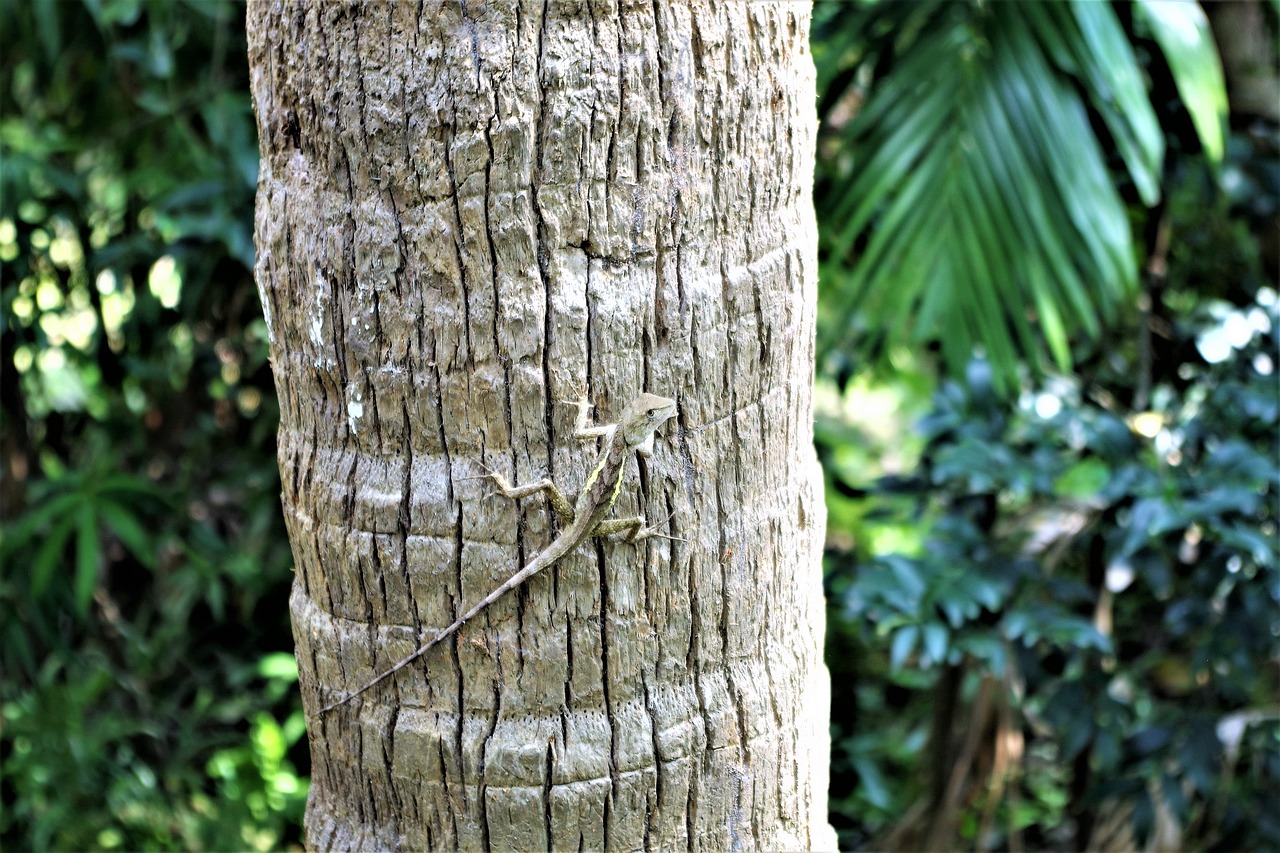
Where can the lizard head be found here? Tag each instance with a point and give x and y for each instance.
(642, 417)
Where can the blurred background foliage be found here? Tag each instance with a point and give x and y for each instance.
(1048, 413)
(148, 698)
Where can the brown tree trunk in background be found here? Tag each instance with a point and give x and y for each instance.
(1247, 45)
(468, 212)
(1246, 37)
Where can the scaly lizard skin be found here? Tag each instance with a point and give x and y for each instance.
(634, 431)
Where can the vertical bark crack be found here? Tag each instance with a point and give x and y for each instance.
(547, 816)
(655, 725)
(606, 681)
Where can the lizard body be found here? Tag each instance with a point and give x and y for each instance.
(586, 517)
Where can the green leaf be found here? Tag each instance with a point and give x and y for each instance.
(1260, 547)
(125, 525)
(980, 191)
(268, 740)
(33, 522)
(1118, 91)
(936, 638)
(49, 29)
(1083, 479)
(1071, 163)
(49, 557)
(88, 556)
(1014, 624)
(127, 484)
(877, 792)
(904, 643)
(1182, 31)
(279, 665)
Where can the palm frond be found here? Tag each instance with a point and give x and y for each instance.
(977, 209)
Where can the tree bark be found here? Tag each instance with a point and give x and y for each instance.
(468, 212)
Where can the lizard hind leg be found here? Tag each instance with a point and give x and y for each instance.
(634, 529)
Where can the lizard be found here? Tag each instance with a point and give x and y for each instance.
(585, 518)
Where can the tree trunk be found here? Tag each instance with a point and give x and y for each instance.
(467, 213)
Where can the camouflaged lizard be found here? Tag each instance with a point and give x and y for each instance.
(585, 518)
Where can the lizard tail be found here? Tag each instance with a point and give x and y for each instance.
(546, 558)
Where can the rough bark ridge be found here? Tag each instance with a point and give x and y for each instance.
(468, 212)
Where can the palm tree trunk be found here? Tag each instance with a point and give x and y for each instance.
(468, 212)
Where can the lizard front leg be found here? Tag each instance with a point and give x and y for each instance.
(581, 429)
(559, 502)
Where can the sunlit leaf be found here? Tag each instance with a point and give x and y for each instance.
(279, 665)
(1182, 31)
(1118, 92)
(904, 643)
(936, 638)
(1083, 479)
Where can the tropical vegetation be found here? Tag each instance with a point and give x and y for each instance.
(1048, 416)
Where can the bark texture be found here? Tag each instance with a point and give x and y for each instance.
(468, 212)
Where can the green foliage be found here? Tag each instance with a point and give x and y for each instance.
(969, 202)
(1057, 615)
(144, 568)
(80, 512)
(86, 771)
(1116, 572)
